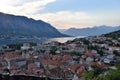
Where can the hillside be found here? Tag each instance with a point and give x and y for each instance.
(114, 35)
(21, 26)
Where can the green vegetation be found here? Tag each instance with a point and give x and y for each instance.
(116, 53)
(113, 75)
(98, 49)
(74, 53)
(32, 44)
(15, 46)
(114, 35)
(96, 74)
(53, 50)
(18, 46)
(88, 75)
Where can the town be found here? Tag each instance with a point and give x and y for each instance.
(61, 61)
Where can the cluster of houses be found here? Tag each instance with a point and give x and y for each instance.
(61, 60)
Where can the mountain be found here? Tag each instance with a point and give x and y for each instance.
(62, 30)
(21, 26)
(97, 30)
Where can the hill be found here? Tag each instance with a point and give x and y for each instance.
(21, 26)
(114, 35)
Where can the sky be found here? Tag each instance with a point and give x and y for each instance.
(64, 14)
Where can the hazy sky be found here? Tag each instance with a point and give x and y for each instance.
(66, 13)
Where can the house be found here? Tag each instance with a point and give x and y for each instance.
(73, 67)
(91, 53)
(19, 62)
(57, 57)
(71, 46)
(31, 66)
(38, 72)
(54, 43)
(3, 64)
(11, 55)
(110, 56)
(56, 73)
(42, 48)
(107, 61)
(68, 73)
(75, 77)
(76, 58)
(25, 46)
(112, 48)
(89, 60)
(67, 58)
(103, 45)
(58, 52)
(15, 63)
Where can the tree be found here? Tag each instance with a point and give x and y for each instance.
(53, 50)
(100, 52)
(88, 75)
(113, 75)
(94, 75)
(15, 46)
(116, 53)
(74, 53)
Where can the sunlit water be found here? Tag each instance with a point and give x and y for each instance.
(63, 39)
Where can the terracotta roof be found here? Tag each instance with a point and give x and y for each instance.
(13, 67)
(47, 56)
(99, 64)
(32, 65)
(1, 68)
(28, 72)
(73, 67)
(13, 71)
(11, 55)
(50, 62)
(90, 54)
(57, 57)
(80, 69)
(35, 70)
(21, 72)
(67, 57)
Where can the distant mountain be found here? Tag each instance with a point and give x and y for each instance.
(62, 30)
(21, 26)
(97, 30)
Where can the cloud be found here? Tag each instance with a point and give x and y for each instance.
(60, 19)
(29, 8)
(23, 7)
(66, 19)
(21, 2)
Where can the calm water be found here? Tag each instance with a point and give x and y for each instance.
(38, 40)
(63, 39)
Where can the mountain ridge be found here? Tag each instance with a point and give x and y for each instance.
(19, 26)
(94, 31)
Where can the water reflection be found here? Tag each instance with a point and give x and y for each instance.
(63, 39)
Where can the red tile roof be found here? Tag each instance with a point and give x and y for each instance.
(80, 69)
(11, 55)
(73, 67)
(50, 62)
(99, 64)
(67, 57)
